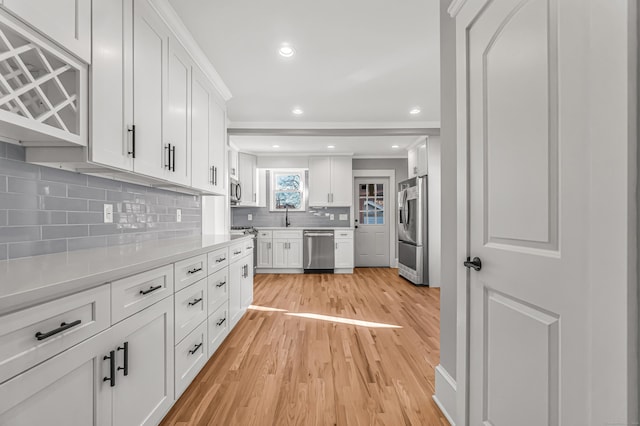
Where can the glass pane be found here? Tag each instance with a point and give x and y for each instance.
(287, 182)
(292, 200)
(379, 204)
(379, 190)
(361, 219)
(371, 188)
(380, 220)
(362, 203)
(363, 190)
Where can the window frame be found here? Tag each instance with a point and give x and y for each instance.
(272, 190)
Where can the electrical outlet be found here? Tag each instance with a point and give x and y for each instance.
(249, 216)
(331, 217)
(344, 216)
(108, 213)
(178, 215)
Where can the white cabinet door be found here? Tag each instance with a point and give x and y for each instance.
(150, 38)
(66, 390)
(111, 79)
(233, 164)
(145, 393)
(265, 253)
(320, 181)
(294, 254)
(280, 253)
(412, 162)
(341, 181)
(67, 22)
(218, 146)
(246, 291)
(235, 290)
(177, 115)
(247, 171)
(201, 132)
(344, 253)
(422, 159)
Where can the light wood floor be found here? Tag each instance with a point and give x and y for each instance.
(276, 368)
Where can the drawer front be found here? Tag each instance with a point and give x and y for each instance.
(218, 327)
(217, 259)
(133, 294)
(190, 308)
(287, 234)
(236, 251)
(32, 335)
(218, 289)
(343, 234)
(265, 234)
(190, 357)
(190, 270)
(248, 247)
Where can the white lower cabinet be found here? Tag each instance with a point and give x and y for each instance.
(236, 273)
(265, 253)
(218, 327)
(344, 249)
(190, 308)
(287, 253)
(191, 355)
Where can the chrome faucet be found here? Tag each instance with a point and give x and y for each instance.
(286, 217)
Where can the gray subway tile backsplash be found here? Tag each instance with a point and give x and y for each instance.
(45, 210)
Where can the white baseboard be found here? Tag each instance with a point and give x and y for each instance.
(445, 397)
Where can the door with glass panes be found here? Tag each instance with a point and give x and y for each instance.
(372, 222)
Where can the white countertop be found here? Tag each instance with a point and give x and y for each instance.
(301, 228)
(31, 280)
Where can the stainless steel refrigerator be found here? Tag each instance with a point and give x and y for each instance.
(413, 235)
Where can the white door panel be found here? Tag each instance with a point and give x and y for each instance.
(371, 204)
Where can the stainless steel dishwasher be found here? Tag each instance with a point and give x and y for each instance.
(318, 252)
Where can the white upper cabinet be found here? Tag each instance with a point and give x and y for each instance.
(330, 181)
(233, 164)
(67, 22)
(417, 159)
(218, 146)
(247, 164)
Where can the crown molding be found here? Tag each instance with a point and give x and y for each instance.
(454, 7)
(380, 157)
(421, 132)
(311, 125)
(171, 18)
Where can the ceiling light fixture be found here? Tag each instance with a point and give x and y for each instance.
(414, 111)
(395, 146)
(297, 111)
(286, 51)
(276, 146)
(331, 146)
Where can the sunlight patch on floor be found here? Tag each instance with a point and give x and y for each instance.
(265, 308)
(344, 320)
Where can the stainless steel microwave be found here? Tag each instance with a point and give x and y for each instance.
(235, 191)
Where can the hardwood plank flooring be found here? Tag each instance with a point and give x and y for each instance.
(298, 358)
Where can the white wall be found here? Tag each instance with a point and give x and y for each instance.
(434, 184)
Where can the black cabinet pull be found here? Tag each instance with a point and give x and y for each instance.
(194, 350)
(215, 175)
(475, 264)
(222, 259)
(193, 271)
(219, 323)
(195, 302)
(237, 252)
(64, 326)
(125, 366)
(221, 283)
(213, 179)
(152, 289)
(112, 368)
(132, 130)
(167, 148)
(172, 164)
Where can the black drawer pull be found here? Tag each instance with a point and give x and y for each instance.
(125, 367)
(193, 271)
(222, 259)
(221, 283)
(194, 350)
(250, 247)
(195, 302)
(237, 252)
(64, 326)
(112, 368)
(152, 289)
(219, 323)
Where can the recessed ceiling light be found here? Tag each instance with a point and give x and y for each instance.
(414, 111)
(297, 111)
(331, 146)
(286, 51)
(395, 146)
(276, 146)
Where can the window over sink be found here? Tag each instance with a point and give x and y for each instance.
(287, 190)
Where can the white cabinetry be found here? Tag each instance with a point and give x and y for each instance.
(287, 249)
(265, 249)
(330, 181)
(68, 22)
(417, 159)
(344, 249)
(247, 164)
(233, 164)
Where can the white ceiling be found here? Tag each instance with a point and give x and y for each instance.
(364, 61)
(359, 146)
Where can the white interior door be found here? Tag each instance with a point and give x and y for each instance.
(529, 316)
(372, 222)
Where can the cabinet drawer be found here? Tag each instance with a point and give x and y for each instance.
(133, 294)
(190, 357)
(287, 234)
(23, 334)
(218, 327)
(343, 234)
(248, 247)
(236, 251)
(218, 289)
(190, 270)
(265, 234)
(217, 259)
(190, 308)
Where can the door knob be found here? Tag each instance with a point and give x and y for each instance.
(475, 264)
